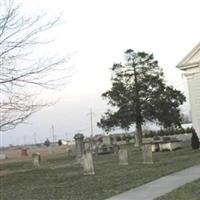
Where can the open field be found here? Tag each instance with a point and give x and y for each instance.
(60, 177)
(190, 191)
(14, 155)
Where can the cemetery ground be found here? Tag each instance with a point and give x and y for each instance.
(61, 178)
(189, 191)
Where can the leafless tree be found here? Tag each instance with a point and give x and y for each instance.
(22, 69)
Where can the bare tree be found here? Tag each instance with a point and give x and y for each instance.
(22, 69)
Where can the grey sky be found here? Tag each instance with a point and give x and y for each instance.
(97, 33)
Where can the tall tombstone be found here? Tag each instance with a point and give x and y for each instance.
(87, 162)
(147, 154)
(123, 157)
(79, 146)
(36, 159)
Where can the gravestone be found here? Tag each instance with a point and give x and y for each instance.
(88, 146)
(116, 149)
(50, 149)
(123, 157)
(105, 149)
(147, 154)
(24, 152)
(73, 150)
(3, 156)
(106, 140)
(79, 146)
(87, 162)
(36, 159)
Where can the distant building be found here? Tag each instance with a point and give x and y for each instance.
(191, 67)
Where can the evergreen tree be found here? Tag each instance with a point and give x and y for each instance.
(138, 94)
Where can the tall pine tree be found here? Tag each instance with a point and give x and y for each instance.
(138, 94)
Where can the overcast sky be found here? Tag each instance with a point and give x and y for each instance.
(96, 33)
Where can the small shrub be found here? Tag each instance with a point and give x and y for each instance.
(166, 139)
(182, 131)
(151, 134)
(128, 138)
(168, 132)
(156, 137)
(124, 137)
(194, 141)
(192, 130)
(47, 142)
(189, 130)
(118, 138)
(59, 142)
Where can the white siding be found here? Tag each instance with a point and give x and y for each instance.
(191, 66)
(194, 91)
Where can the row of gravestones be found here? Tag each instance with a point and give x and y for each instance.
(88, 166)
(85, 158)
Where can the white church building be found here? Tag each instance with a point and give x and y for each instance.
(191, 67)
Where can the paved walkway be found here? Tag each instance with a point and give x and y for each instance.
(160, 186)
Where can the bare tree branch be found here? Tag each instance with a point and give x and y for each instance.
(21, 72)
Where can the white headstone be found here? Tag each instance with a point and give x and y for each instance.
(50, 149)
(79, 146)
(106, 140)
(123, 157)
(147, 154)
(36, 159)
(87, 162)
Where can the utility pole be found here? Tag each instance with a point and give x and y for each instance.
(24, 140)
(91, 122)
(53, 133)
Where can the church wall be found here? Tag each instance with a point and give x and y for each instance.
(194, 92)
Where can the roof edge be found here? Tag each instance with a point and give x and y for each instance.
(182, 64)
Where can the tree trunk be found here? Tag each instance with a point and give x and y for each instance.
(139, 120)
(138, 135)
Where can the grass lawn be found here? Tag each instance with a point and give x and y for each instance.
(190, 191)
(67, 182)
